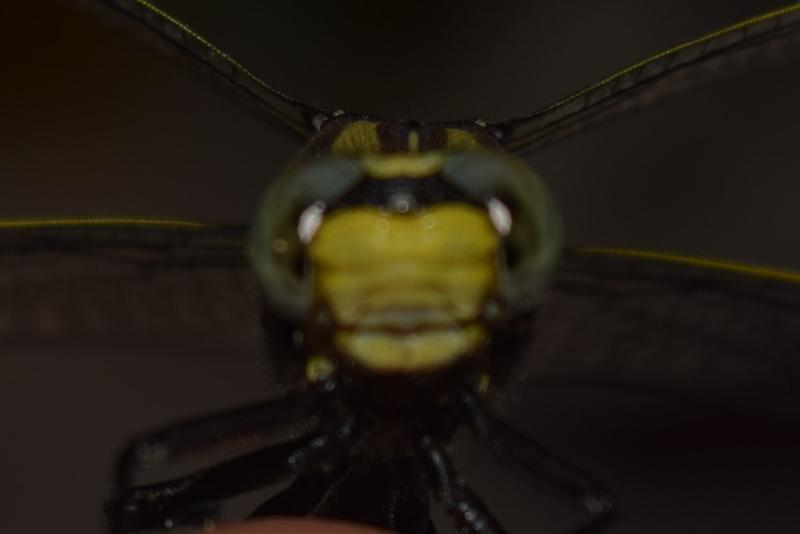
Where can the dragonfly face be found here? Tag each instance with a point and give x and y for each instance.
(592, 162)
(400, 257)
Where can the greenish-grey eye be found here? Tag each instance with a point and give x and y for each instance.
(291, 210)
(522, 210)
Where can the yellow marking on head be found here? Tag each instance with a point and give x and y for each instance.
(318, 368)
(413, 141)
(747, 269)
(406, 287)
(418, 351)
(77, 222)
(405, 164)
(358, 137)
(458, 139)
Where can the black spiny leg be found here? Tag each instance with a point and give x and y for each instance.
(205, 433)
(304, 495)
(462, 505)
(389, 494)
(191, 499)
(510, 446)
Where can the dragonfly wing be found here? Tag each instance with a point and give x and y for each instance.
(669, 71)
(667, 322)
(176, 38)
(608, 317)
(152, 285)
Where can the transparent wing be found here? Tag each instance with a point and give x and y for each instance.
(131, 283)
(647, 319)
(616, 317)
(174, 37)
(640, 84)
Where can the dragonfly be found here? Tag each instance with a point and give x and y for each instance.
(107, 236)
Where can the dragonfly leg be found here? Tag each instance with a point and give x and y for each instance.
(462, 505)
(510, 446)
(390, 494)
(194, 498)
(204, 433)
(304, 496)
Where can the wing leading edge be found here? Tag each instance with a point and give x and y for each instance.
(669, 71)
(666, 72)
(174, 37)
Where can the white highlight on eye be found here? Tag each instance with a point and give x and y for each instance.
(500, 216)
(310, 221)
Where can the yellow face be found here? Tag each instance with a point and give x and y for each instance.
(398, 256)
(406, 290)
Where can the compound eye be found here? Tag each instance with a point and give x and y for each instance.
(522, 211)
(289, 214)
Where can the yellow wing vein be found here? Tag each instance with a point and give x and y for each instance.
(238, 67)
(664, 53)
(746, 269)
(522, 129)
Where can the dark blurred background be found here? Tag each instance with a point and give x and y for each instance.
(95, 123)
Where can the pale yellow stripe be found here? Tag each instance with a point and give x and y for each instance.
(403, 164)
(18, 224)
(747, 269)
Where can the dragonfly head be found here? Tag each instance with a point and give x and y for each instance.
(405, 262)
